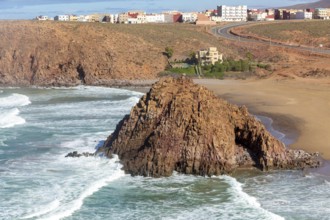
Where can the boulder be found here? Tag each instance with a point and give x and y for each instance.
(180, 126)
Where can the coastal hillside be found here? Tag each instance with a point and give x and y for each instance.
(64, 53)
(70, 53)
(317, 4)
(313, 34)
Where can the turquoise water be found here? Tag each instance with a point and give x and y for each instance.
(38, 127)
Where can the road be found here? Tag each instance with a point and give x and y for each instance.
(224, 32)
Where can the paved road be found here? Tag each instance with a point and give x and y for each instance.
(224, 32)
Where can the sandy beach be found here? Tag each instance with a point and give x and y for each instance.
(298, 108)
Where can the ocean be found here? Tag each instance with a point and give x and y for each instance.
(39, 126)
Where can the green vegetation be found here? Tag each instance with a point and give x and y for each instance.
(219, 70)
(169, 52)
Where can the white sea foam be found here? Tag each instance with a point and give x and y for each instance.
(134, 100)
(10, 118)
(67, 208)
(243, 199)
(14, 100)
(9, 112)
(43, 210)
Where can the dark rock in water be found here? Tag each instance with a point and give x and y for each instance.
(76, 154)
(180, 126)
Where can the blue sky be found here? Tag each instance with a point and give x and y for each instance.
(27, 9)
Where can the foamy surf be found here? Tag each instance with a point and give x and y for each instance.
(10, 118)
(67, 208)
(9, 110)
(38, 182)
(241, 198)
(14, 100)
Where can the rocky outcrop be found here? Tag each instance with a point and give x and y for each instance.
(180, 126)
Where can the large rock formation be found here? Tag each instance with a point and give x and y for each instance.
(184, 127)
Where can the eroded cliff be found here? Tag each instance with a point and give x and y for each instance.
(180, 126)
(53, 53)
(72, 53)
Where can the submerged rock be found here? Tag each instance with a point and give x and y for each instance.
(180, 126)
(76, 154)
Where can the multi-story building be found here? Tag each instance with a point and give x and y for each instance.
(189, 17)
(82, 18)
(62, 18)
(95, 18)
(123, 18)
(233, 13)
(155, 18)
(279, 14)
(256, 15)
(114, 18)
(304, 15)
(209, 56)
(286, 15)
(322, 13)
(73, 18)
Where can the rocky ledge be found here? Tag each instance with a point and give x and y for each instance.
(180, 126)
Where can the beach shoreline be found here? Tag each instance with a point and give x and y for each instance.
(298, 109)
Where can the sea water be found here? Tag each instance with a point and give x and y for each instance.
(38, 127)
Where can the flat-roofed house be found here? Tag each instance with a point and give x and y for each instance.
(209, 56)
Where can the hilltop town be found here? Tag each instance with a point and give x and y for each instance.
(223, 13)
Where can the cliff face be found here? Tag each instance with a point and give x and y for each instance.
(184, 127)
(71, 53)
(53, 53)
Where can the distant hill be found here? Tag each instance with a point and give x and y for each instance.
(318, 4)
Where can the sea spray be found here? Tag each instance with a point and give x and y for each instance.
(242, 199)
(68, 208)
(9, 110)
(14, 100)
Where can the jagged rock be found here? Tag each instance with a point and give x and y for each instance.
(76, 154)
(184, 127)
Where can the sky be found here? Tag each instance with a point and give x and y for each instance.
(28, 9)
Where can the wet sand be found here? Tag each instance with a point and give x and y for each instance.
(299, 109)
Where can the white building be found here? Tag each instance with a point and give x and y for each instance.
(168, 18)
(304, 15)
(155, 18)
(216, 18)
(114, 18)
(233, 13)
(141, 19)
(42, 18)
(322, 13)
(257, 16)
(189, 17)
(82, 18)
(209, 56)
(62, 18)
